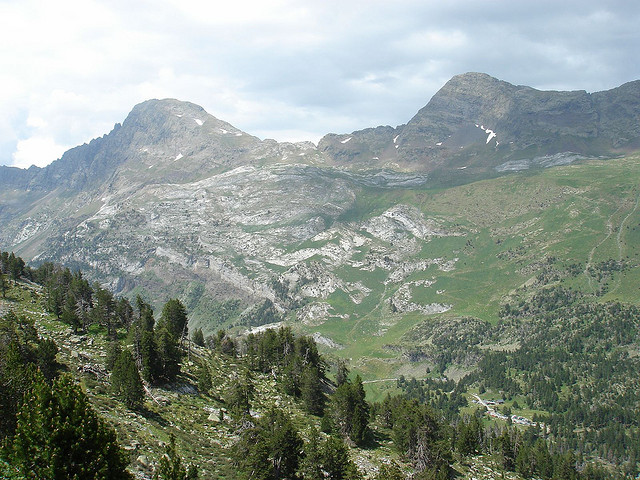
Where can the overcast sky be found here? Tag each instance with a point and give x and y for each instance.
(289, 70)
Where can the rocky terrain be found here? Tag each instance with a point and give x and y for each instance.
(358, 237)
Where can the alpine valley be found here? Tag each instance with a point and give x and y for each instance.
(493, 241)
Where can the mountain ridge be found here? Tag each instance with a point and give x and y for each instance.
(525, 123)
(175, 202)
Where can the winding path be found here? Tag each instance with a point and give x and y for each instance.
(610, 228)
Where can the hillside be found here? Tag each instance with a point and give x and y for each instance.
(200, 416)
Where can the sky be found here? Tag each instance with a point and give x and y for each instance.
(284, 69)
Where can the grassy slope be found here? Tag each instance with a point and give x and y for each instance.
(584, 214)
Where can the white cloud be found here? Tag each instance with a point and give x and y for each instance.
(39, 151)
(71, 69)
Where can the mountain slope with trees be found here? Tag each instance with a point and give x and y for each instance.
(267, 405)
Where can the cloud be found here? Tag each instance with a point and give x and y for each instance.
(285, 68)
(37, 150)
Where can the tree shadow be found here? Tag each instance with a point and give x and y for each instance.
(153, 416)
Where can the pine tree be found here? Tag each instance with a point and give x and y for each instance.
(204, 378)
(283, 442)
(16, 267)
(59, 436)
(239, 398)
(168, 353)
(389, 472)
(198, 337)
(148, 357)
(350, 411)
(327, 459)
(4, 285)
(21, 353)
(170, 466)
(104, 311)
(311, 391)
(336, 462)
(270, 450)
(174, 317)
(342, 374)
(126, 383)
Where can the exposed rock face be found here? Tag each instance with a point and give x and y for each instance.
(478, 122)
(176, 201)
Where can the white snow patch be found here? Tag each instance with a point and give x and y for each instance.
(346, 140)
(224, 131)
(438, 144)
(462, 168)
(397, 146)
(238, 134)
(178, 157)
(491, 134)
(375, 158)
(395, 139)
(179, 115)
(151, 166)
(198, 121)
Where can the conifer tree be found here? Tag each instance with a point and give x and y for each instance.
(16, 267)
(198, 337)
(350, 411)
(174, 317)
(270, 450)
(170, 466)
(4, 285)
(60, 436)
(126, 383)
(311, 391)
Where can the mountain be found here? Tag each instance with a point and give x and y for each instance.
(482, 124)
(356, 240)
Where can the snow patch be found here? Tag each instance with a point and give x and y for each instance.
(238, 134)
(178, 157)
(395, 139)
(490, 133)
(224, 131)
(346, 140)
(438, 144)
(198, 121)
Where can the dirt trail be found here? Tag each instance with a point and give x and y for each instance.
(619, 237)
(611, 229)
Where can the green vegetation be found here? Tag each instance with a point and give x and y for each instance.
(532, 372)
